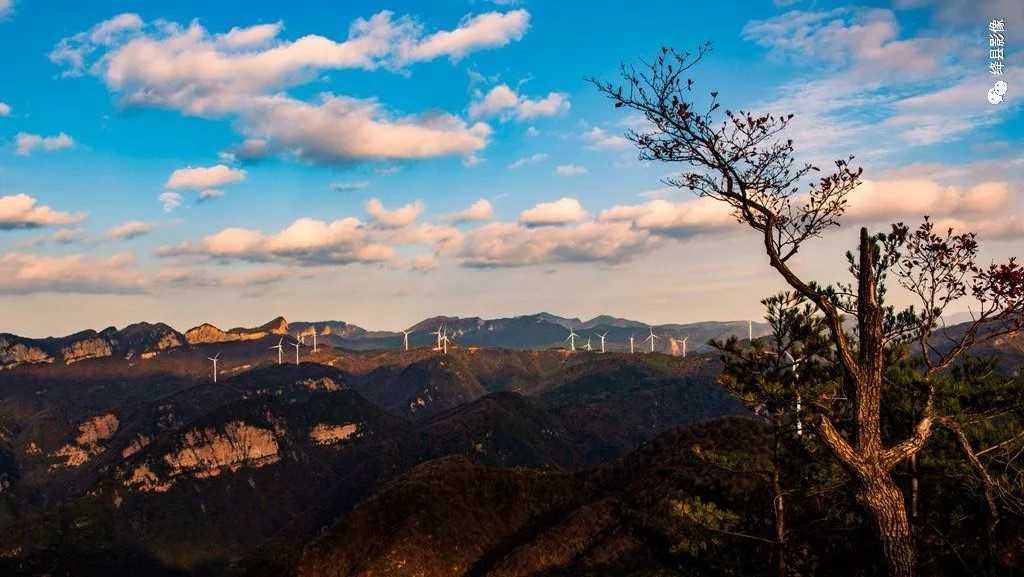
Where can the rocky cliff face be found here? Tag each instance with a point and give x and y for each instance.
(207, 452)
(91, 348)
(207, 333)
(14, 353)
(89, 442)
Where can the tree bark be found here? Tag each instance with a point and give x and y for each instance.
(884, 501)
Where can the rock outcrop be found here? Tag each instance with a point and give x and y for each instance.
(14, 353)
(207, 333)
(92, 348)
(91, 434)
(207, 452)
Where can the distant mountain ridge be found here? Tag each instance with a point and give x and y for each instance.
(536, 331)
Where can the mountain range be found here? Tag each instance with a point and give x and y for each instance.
(540, 331)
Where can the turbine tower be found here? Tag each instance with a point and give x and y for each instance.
(651, 337)
(214, 359)
(589, 348)
(631, 351)
(684, 345)
(437, 347)
(444, 341)
(314, 339)
(405, 338)
(572, 340)
(602, 341)
(296, 344)
(750, 331)
(280, 350)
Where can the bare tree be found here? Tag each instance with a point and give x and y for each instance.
(739, 158)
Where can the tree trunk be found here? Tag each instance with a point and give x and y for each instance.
(914, 491)
(884, 501)
(779, 509)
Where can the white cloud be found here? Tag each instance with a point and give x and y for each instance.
(599, 139)
(673, 219)
(170, 200)
(532, 159)
(129, 230)
(914, 198)
(23, 211)
(306, 241)
(502, 244)
(203, 177)
(250, 36)
(26, 273)
(5, 7)
(489, 30)
(350, 185)
(243, 74)
(400, 217)
(504, 102)
(26, 143)
(5, 109)
(562, 211)
(479, 211)
(209, 194)
(570, 170)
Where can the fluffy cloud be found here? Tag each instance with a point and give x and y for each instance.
(243, 74)
(673, 219)
(129, 230)
(5, 109)
(210, 194)
(306, 241)
(532, 159)
(339, 128)
(504, 102)
(398, 218)
(867, 41)
(599, 139)
(23, 211)
(490, 30)
(913, 198)
(170, 200)
(26, 273)
(26, 143)
(570, 170)
(203, 177)
(513, 245)
(479, 211)
(562, 211)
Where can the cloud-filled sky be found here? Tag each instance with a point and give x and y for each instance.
(381, 162)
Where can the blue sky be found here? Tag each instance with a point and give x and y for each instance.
(218, 162)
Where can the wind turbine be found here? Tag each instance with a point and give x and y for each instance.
(750, 331)
(280, 350)
(405, 337)
(214, 359)
(444, 341)
(684, 345)
(602, 341)
(437, 347)
(296, 344)
(651, 337)
(572, 340)
(314, 339)
(589, 348)
(631, 344)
